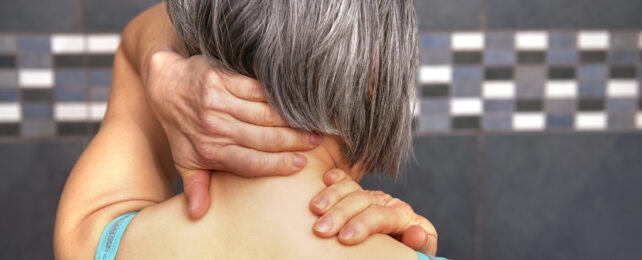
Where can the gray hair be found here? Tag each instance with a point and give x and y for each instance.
(335, 67)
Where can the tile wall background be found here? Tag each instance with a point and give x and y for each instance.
(527, 138)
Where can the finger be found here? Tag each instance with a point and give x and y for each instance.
(252, 163)
(196, 187)
(375, 219)
(331, 222)
(256, 113)
(244, 88)
(418, 239)
(329, 196)
(333, 176)
(274, 139)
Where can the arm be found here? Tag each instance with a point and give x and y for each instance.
(125, 167)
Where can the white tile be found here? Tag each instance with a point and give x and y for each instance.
(498, 90)
(10, 112)
(622, 88)
(37, 78)
(531, 40)
(435, 74)
(467, 41)
(590, 121)
(638, 120)
(71, 111)
(466, 106)
(561, 89)
(97, 110)
(67, 43)
(593, 40)
(103, 43)
(528, 121)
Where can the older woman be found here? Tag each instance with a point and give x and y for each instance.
(344, 69)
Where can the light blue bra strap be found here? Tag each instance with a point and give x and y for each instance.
(113, 233)
(425, 257)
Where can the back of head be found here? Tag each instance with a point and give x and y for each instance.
(336, 67)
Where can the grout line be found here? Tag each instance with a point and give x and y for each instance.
(479, 205)
(483, 19)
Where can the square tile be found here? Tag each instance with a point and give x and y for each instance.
(37, 110)
(561, 89)
(593, 73)
(68, 43)
(38, 128)
(594, 89)
(466, 106)
(500, 41)
(69, 60)
(562, 40)
(531, 57)
(10, 112)
(435, 41)
(8, 78)
(562, 57)
(467, 73)
(450, 15)
(496, 106)
(433, 106)
(528, 121)
(497, 122)
(559, 122)
(561, 73)
(528, 105)
(531, 90)
(101, 60)
(103, 43)
(467, 41)
(9, 129)
(463, 88)
(97, 111)
(621, 121)
(71, 112)
(530, 74)
(70, 95)
(593, 40)
(593, 56)
(7, 61)
(8, 43)
(591, 104)
(498, 90)
(622, 56)
(99, 93)
(622, 88)
(590, 121)
(427, 74)
(8, 95)
(434, 123)
(498, 57)
(624, 40)
(36, 95)
(100, 77)
(34, 59)
(466, 122)
(72, 128)
(498, 73)
(71, 78)
(531, 40)
(36, 43)
(622, 105)
(435, 57)
(467, 57)
(435, 90)
(35, 78)
(560, 107)
(623, 72)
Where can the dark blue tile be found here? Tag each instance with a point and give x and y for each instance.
(440, 184)
(562, 40)
(71, 78)
(576, 14)
(467, 73)
(562, 196)
(100, 77)
(434, 106)
(37, 110)
(593, 72)
(112, 15)
(37, 43)
(592, 89)
(497, 121)
(623, 56)
(34, 174)
(559, 122)
(39, 16)
(448, 15)
(562, 57)
(8, 95)
(493, 57)
(496, 106)
(435, 41)
(500, 41)
(70, 95)
(622, 104)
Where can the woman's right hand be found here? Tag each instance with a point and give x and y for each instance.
(218, 121)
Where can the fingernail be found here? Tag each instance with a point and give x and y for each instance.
(333, 175)
(315, 139)
(299, 160)
(321, 203)
(348, 233)
(323, 225)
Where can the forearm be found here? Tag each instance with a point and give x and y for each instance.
(146, 34)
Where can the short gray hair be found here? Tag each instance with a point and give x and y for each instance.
(335, 67)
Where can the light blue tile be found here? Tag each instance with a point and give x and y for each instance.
(435, 41)
(621, 120)
(468, 73)
(435, 106)
(71, 78)
(622, 105)
(562, 40)
(434, 123)
(38, 128)
(560, 106)
(9, 95)
(33, 43)
(462, 88)
(435, 57)
(592, 73)
(8, 78)
(529, 90)
(500, 41)
(497, 57)
(99, 77)
(8, 43)
(623, 56)
(559, 122)
(497, 121)
(499, 106)
(70, 94)
(37, 110)
(592, 89)
(562, 57)
(34, 59)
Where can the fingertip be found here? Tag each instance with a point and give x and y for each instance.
(315, 139)
(299, 160)
(416, 238)
(198, 201)
(351, 236)
(333, 176)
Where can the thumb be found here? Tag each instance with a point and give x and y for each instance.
(414, 237)
(196, 187)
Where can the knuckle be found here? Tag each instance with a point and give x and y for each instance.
(255, 163)
(212, 125)
(284, 161)
(269, 115)
(273, 137)
(206, 151)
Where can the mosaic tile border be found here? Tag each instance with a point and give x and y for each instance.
(57, 85)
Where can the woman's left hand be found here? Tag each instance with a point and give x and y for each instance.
(355, 214)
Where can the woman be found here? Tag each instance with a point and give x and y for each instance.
(124, 167)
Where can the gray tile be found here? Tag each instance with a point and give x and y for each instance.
(621, 120)
(560, 107)
(8, 43)
(36, 95)
(593, 72)
(112, 15)
(592, 89)
(8, 78)
(497, 121)
(435, 41)
(100, 77)
(70, 94)
(448, 15)
(497, 106)
(9, 95)
(442, 176)
(38, 128)
(433, 106)
(497, 57)
(503, 41)
(34, 174)
(562, 196)
(435, 57)
(562, 57)
(37, 110)
(559, 122)
(37, 43)
(467, 57)
(434, 123)
(624, 40)
(535, 74)
(529, 90)
(34, 59)
(562, 40)
(576, 14)
(621, 105)
(461, 88)
(9, 130)
(467, 73)
(466, 123)
(623, 56)
(71, 78)
(39, 16)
